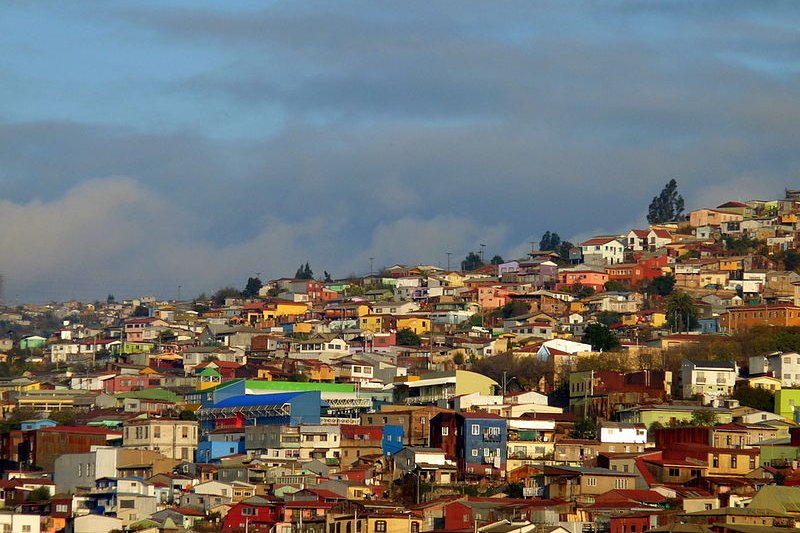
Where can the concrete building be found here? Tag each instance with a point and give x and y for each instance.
(177, 439)
(710, 379)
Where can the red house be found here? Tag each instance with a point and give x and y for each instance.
(254, 515)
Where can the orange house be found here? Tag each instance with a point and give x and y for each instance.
(587, 277)
(746, 317)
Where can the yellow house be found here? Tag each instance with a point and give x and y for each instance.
(302, 327)
(454, 279)
(417, 324)
(276, 308)
(731, 264)
(765, 382)
(576, 307)
(373, 323)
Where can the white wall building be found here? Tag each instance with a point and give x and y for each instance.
(783, 365)
(711, 379)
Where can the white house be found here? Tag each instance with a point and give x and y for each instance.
(711, 379)
(658, 238)
(623, 433)
(782, 365)
(17, 522)
(603, 250)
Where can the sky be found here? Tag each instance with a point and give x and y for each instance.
(147, 146)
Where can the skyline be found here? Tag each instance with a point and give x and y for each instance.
(144, 147)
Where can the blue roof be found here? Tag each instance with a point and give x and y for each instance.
(244, 400)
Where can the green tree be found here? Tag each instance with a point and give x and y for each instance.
(585, 428)
(740, 245)
(187, 414)
(667, 206)
(252, 287)
(471, 262)
(327, 278)
(564, 249)
(110, 299)
(39, 494)
(704, 417)
(600, 337)
(224, 293)
(550, 242)
(757, 398)
(579, 290)
(514, 308)
(681, 312)
(141, 311)
(496, 260)
(64, 417)
(407, 337)
(304, 272)
(615, 286)
(608, 318)
(662, 285)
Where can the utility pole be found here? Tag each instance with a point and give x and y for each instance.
(448, 260)
(483, 247)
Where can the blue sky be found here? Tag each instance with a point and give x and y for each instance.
(148, 145)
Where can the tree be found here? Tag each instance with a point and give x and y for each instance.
(39, 494)
(600, 337)
(608, 318)
(252, 287)
(496, 260)
(564, 250)
(579, 290)
(757, 398)
(681, 312)
(187, 414)
(224, 293)
(704, 417)
(585, 428)
(110, 299)
(667, 206)
(471, 262)
(742, 245)
(525, 372)
(327, 278)
(141, 311)
(514, 308)
(304, 272)
(661, 285)
(407, 337)
(549, 242)
(615, 285)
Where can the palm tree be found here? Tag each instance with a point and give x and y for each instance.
(681, 311)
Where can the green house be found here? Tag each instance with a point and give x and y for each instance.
(32, 342)
(786, 401)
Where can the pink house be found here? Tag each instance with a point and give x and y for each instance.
(131, 382)
(492, 296)
(587, 277)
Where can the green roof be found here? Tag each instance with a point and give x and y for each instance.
(293, 386)
(151, 394)
(777, 498)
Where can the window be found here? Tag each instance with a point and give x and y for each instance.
(674, 472)
(126, 504)
(248, 511)
(380, 526)
(445, 431)
(734, 461)
(715, 461)
(474, 452)
(185, 432)
(156, 432)
(476, 429)
(591, 481)
(415, 527)
(620, 483)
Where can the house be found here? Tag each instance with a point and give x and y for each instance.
(430, 464)
(784, 366)
(711, 379)
(477, 441)
(603, 250)
(176, 439)
(257, 514)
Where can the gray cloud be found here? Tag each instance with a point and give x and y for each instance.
(400, 133)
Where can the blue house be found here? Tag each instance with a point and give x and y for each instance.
(483, 446)
(476, 441)
(290, 408)
(221, 443)
(392, 439)
(33, 425)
